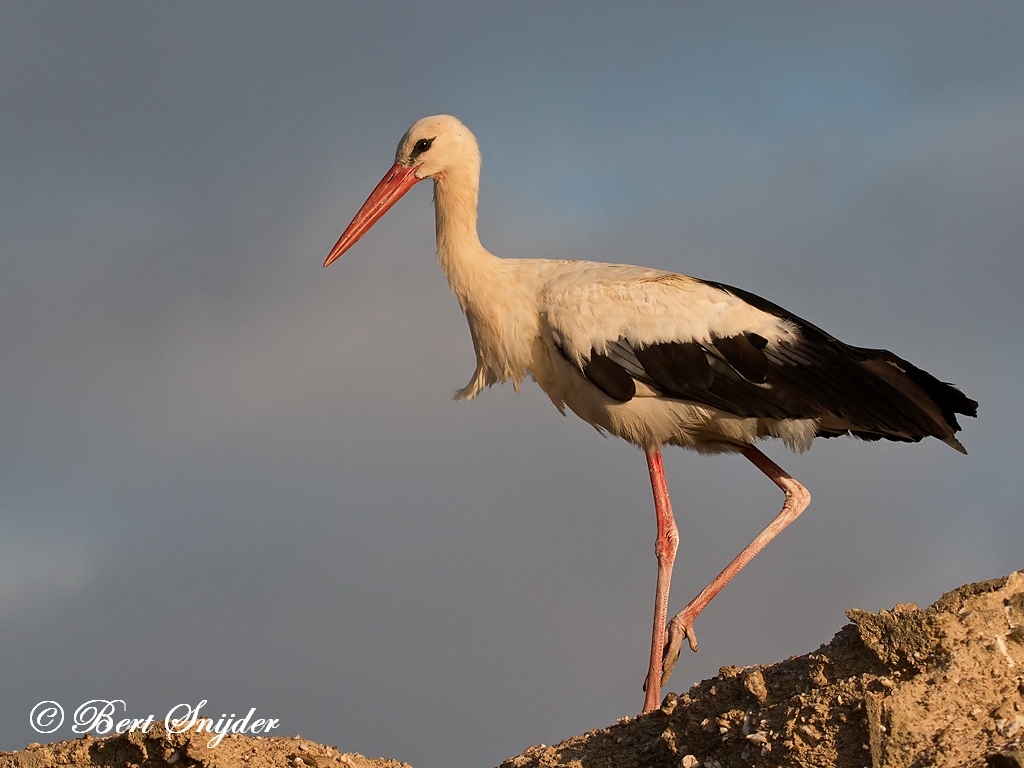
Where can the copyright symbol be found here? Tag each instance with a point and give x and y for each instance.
(46, 717)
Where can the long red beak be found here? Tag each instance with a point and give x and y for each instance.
(395, 183)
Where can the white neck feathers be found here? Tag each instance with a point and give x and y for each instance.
(465, 262)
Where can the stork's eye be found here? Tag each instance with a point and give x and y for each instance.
(422, 146)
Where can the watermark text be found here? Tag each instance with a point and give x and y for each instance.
(104, 717)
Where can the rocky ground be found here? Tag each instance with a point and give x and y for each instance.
(905, 688)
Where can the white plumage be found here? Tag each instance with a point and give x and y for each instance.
(656, 358)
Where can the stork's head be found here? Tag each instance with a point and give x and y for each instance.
(431, 148)
(435, 144)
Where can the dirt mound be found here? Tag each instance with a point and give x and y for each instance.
(901, 688)
(156, 748)
(905, 688)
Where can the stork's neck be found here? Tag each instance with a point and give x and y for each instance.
(466, 263)
(502, 315)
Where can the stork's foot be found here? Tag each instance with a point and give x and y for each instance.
(679, 629)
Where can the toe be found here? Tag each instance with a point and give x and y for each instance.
(677, 631)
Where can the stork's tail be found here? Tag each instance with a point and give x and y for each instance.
(938, 402)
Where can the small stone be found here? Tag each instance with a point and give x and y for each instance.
(33, 746)
(668, 706)
(1010, 728)
(758, 737)
(689, 761)
(812, 733)
(754, 683)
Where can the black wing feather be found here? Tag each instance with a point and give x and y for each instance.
(872, 392)
(678, 367)
(610, 377)
(745, 355)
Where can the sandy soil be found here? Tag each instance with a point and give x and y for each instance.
(159, 748)
(905, 688)
(902, 688)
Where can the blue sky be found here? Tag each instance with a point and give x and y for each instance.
(228, 474)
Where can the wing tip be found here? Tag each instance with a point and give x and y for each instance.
(955, 444)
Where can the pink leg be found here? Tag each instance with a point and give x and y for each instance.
(665, 549)
(797, 499)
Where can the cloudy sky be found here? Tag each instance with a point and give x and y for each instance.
(228, 474)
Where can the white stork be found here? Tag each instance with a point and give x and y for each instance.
(657, 358)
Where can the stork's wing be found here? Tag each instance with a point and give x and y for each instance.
(736, 352)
